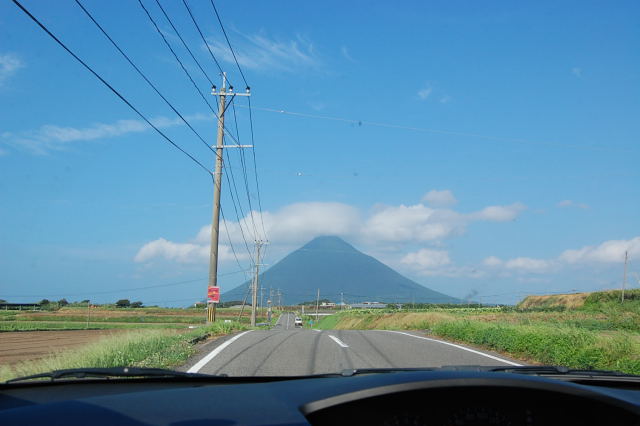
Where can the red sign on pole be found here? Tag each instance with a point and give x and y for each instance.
(213, 294)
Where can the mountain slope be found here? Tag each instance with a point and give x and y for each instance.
(334, 266)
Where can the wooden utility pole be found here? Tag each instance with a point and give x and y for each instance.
(317, 305)
(217, 188)
(254, 289)
(624, 276)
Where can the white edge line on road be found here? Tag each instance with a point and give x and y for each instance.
(204, 361)
(338, 341)
(315, 329)
(456, 346)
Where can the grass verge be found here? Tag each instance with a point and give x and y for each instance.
(139, 348)
(547, 343)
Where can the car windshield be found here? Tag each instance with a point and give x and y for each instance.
(293, 188)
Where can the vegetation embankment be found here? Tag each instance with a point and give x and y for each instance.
(601, 333)
(140, 348)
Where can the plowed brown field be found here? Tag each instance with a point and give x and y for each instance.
(29, 345)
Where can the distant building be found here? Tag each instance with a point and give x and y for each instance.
(368, 305)
(327, 305)
(20, 306)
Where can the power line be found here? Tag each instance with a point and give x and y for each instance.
(182, 65)
(202, 36)
(229, 43)
(183, 42)
(234, 204)
(244, 172)
(255, 170)
(242, 159)
(153, 86)
(438, 131)
(103, 81)
(201, 95)
(234, 188)
(91, 293)
(246, 244)
(175, 55)
(224, 221)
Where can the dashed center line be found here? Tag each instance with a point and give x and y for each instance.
(338, 341)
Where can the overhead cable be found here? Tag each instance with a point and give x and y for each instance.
(103, 81)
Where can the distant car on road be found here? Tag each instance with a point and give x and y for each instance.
(297, 322)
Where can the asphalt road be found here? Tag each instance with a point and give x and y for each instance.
(286, 350)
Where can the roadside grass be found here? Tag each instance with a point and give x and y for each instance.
(553, 341)
(328, 323)
(140, 348)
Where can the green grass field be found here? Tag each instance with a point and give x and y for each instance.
(81, 318)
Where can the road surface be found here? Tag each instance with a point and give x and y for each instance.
(286, 350)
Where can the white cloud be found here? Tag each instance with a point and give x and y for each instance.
(577, 71)
(9, 65)
(607, 252)
(424, 93)
(445, 99)
(345, 52)
(413, 223)
(259, 52)
(54, 138)
(442, 198)
(499, 213)
(182, 252)
(297, 223)
(431, 262)
(302, 221)
(570, 203)
(528, 264)
(427, 259)
(492, 261)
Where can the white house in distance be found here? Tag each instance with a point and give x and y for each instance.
(369, 305)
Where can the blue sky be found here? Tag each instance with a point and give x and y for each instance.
(482, 149)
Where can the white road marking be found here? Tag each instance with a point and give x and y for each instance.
(287, 321)
(204, 361)
(315, 329)
(457, 346)
(338, 341)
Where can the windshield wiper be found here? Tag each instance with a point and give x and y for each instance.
(551, 370)
(80, 373)
(534, 370)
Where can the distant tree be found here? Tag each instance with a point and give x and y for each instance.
(123, 303)
(85, 301)
(3, 301)
(44, 302)
(136, 305)
(200, 305)
(63, 302)
(229, 303)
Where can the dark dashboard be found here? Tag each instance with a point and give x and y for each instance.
(398, 398)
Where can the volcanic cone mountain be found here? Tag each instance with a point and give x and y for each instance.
(335, 266)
